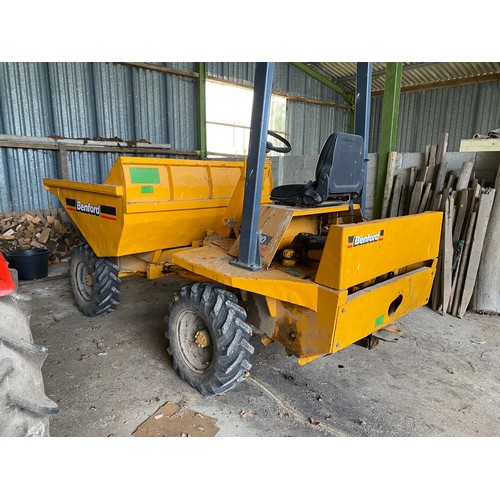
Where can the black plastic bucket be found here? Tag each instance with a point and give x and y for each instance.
(31, 264)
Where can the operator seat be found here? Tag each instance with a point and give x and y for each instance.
(339, 175)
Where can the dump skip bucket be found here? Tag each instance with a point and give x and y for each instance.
(31, 264)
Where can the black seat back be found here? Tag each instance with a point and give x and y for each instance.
(340, 165)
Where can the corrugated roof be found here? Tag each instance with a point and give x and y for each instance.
(414, 73)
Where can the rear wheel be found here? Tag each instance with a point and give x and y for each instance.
(94, 281)
(209, 338)
(24, 407)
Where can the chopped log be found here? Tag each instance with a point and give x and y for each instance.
(46, 229)
(44, 236)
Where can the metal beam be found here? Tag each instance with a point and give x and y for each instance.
(325, 81)
(469, 80)
(388, 128)
(160, 69)
(406, 67)
(249, 251)
(202, 110)
(362, 115)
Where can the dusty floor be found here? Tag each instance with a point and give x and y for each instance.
(109, 374)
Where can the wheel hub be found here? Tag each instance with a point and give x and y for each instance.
(195, 341)
(202, 338)
(89, 280)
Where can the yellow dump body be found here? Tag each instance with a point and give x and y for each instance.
(148, 204)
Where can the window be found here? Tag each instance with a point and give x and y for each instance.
(229, 112)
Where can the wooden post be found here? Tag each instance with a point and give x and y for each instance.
(461, 211)
(464, 176)
(486, 298)
(391, 167)
(63, 162)
(440, 177)
(415, 198)
(442, 148)
(425, 196)
(447, 255)
(403, 202)
(396, 196)
(483, 216)
(460, 276)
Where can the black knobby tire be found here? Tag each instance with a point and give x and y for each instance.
(94, 281)
(209, 339)
(24, 407)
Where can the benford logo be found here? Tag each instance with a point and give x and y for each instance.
(88, 208)
(356, 241)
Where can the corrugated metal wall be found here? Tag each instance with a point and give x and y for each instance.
(112, 100)
(461, 111)
(85, 100)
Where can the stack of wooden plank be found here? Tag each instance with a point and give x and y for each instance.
(50, 229)
(466, 207)
(418, 189)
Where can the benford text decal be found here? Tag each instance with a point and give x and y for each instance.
(102, 211)
(88, 208)
(356, 241)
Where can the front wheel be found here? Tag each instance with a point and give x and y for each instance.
(94, 281)
(209, 338)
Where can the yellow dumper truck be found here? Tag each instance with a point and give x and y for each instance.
(327, 277)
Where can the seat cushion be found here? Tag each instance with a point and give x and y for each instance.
(296, 194)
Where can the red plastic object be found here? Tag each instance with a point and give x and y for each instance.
(7, 284)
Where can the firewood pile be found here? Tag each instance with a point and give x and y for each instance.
(49, 229)
(466, 203)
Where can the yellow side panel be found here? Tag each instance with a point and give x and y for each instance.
(191, 184)
(355, 253)
(371, 309)
(304, 332)
(167, 183)
(103, 228)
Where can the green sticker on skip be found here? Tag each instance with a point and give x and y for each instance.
(379, 320)
(147, 189)
(144, 175)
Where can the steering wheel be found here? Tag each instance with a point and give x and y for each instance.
(279, 149)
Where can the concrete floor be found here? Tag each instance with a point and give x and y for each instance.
(109, 374)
